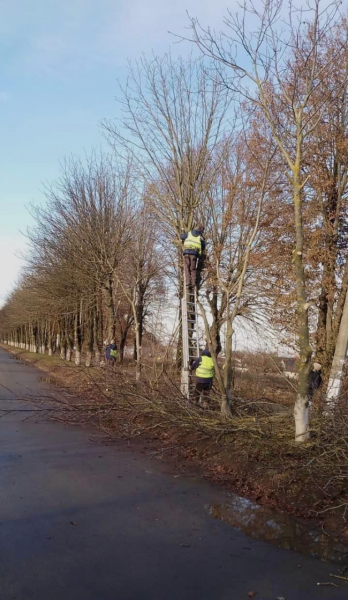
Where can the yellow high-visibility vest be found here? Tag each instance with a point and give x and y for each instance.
(206, 369)
(193, 243)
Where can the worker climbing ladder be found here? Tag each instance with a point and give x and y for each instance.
(190, 339)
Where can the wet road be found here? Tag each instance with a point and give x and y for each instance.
(85, 521)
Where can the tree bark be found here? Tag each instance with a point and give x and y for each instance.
(228, 371)
(339, 361)
(97, 343)
(110, 309)
(179, 358)
(77, 338)
(90, 341)
(63, 346)
(301, 409)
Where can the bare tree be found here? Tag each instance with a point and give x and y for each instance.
(233, 215)
(142, 277)
(173, 123)
(277, 69)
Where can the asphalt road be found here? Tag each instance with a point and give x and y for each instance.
(85, 521)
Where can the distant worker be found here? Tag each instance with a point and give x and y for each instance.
(204, 367)
(315, 379)
(194, 245)
(111, 353)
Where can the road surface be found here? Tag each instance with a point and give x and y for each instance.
(85, 521)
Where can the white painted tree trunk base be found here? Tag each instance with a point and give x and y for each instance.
(333, 390)
(77, 358)
(301, 415)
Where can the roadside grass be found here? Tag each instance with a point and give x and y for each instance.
(253, 452)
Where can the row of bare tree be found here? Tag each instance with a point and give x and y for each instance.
(251, 140)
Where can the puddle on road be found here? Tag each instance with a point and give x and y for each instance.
(279, 530)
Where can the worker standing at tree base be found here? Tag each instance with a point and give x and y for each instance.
(204, 367)
(194, 245)
(111, 353)
(315, 380)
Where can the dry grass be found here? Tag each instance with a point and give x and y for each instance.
(254, 449)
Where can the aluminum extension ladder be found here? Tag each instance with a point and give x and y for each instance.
(190, 341)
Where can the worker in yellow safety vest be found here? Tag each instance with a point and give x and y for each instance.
(204, 367)
(111, 353)
(194, 245)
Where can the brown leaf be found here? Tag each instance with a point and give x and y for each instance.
(251, 594)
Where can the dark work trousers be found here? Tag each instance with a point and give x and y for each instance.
(202, 390)
(190, 263)
(111, 362)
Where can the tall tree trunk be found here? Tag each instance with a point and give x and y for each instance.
(138, 350)
(110, 305)
(301, 409)
(97, 343)
(63, 345)
(123, 339)
(70, 338)
(140, 322)
(325, 333)
(34, 338)
(228, 371)
(338, 314)
(321, 341)
(179, 356)
(218, 375)
(50, 328)
(215, 327)
(78, 336)
(27, 338)
(339, 360)
(90, 340)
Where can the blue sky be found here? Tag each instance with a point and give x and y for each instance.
(60, 62)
